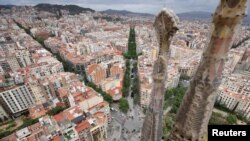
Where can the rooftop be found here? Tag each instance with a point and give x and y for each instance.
(82, 126)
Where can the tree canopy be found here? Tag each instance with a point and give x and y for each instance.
(231, 119)
(123, 105)
(131, 53)
(55, 110)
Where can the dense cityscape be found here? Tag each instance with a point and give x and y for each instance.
(70, 75)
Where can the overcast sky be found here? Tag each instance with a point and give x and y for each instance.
(144, 6)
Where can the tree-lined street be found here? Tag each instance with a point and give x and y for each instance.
(128, 115)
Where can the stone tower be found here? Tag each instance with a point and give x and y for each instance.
(165, 26)
(196, 108)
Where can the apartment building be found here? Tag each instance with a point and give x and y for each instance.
(43, 69)
(234, 94)
(24, 58)
(83, 130)
(36, 89)
(12, 61)
(96, 73)
(4, 65)
(16, 100)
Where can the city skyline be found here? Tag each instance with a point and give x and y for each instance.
(143, 6)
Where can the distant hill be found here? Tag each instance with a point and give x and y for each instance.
(53, 8)
(195, 15)
(126, 13)
(6, 6)
(199, 15)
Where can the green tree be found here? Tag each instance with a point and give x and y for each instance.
(28, 122)
(131, 53)
(231, 119)
(136, 90)
(11, 125)
(4, 133)
(55, 110)
(168, 123)
(178, 94)
(217, 119)
(85, 79)
(126, 80)
(125, 92)
(123, 105)
(68, 67)
(107, 97)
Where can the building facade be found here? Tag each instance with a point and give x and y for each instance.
(17, 100)
(3, 114)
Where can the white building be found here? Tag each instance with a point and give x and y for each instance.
(234, 101)
(44, 69)
(16, 100)
(37, 91)
(234, 94)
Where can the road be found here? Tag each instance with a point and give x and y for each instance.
(115, 131)
(127, 127)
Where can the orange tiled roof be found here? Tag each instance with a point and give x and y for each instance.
(100, 117)
(112, 92)
(59, 117)
(82, 126)
(70, 113)
(62, 92)
(99, 106)
(56, 138)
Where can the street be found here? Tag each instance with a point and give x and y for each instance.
(126, 127)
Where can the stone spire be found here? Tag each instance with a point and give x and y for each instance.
(196, 108)
(165, 26)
